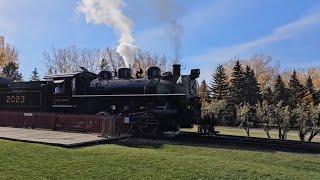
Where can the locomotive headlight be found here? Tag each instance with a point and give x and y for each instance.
(113, 107)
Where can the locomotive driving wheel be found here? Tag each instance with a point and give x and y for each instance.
(150, 125)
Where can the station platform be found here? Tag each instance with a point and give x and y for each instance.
(55, 138)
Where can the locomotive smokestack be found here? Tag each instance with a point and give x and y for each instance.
(176, 70)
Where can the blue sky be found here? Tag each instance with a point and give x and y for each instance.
(214, 31)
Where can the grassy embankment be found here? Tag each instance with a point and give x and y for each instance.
(292, 135)
(32, 161)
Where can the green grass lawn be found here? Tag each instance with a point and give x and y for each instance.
(33, 161)
(258, 132)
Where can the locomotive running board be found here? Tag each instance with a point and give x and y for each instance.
(126, 95)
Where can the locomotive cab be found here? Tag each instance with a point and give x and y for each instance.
(64, 86)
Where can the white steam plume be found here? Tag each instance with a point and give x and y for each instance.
(109, 12)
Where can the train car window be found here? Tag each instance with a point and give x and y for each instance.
(59, 87)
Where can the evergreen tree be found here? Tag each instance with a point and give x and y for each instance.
(11, 71)
(219, 84)
(251, 87)
(204, 92)
(317, 97)
(237, 85)
(309, 85)
(280, 91)
(267, 95)
(297, 90)
(35, 75)
(235, 94)
(311, 94)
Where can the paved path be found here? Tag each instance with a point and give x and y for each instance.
(57, 138)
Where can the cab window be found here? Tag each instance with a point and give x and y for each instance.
(59, 87)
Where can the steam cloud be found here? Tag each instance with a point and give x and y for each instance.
(176, 33)
(109, 12)
(169, 11)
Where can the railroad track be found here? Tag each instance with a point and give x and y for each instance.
(234, 142)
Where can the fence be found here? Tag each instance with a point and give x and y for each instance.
(54, 121)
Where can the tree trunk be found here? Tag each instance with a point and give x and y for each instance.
(248, 132)
(280, 134)
(284, 135)
(312, 135)
(267, 131)
(301, 136)
(268, 135)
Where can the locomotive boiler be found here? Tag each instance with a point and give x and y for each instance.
(155, 103)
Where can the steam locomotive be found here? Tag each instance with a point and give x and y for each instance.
(151, 104)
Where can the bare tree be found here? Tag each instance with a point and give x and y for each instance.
(315, 121)
(8, 54)
(283, 116)
(90, 59)
(215, 108)
(9, 62)
(266, 116)
(62, 60)
(244, 116)
(111, 60)
(308, 122)
(144, 60)
(69, 59)
(302, 115)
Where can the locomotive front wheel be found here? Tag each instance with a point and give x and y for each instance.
(151, 125)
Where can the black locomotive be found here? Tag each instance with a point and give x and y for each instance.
(151, 104)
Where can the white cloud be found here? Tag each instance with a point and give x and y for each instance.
(6, 27)
(290, 30)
